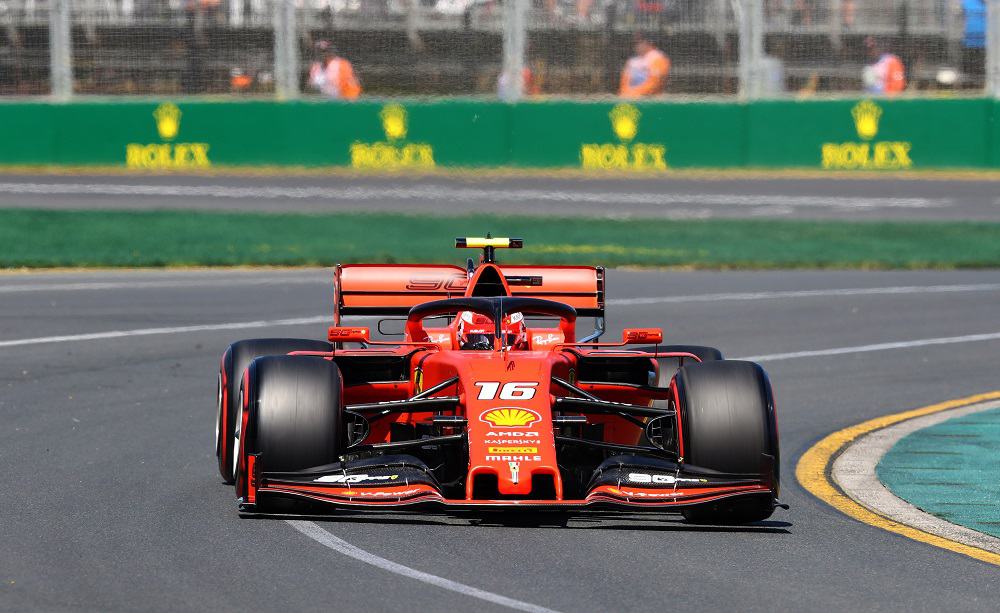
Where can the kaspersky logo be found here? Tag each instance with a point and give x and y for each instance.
(167, 155)
(395, 151)
(877, 155)
(625, 154)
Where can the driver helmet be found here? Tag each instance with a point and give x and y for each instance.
(475, 331)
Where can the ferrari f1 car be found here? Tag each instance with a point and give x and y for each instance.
(491, 400)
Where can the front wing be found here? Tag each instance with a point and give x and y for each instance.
(410, 491)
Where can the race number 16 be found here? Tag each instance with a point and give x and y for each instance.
(514, 390)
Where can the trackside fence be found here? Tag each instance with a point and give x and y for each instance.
(751, 49)
(846, 134)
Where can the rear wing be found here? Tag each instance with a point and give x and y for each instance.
(390, 289)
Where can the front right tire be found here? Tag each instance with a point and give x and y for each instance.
(729, 425)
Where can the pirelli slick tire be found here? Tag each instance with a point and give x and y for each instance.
(728, 425)
(234, 362)
(670, 366)
(295, 412)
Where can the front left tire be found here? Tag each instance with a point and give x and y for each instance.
(291, 415)
(235, 361)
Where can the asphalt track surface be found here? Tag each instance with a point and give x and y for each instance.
(112, 500)
(674, 197)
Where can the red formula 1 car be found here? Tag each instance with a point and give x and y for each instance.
(491, 400)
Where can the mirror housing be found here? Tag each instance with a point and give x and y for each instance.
(338, 334)
(633, 336)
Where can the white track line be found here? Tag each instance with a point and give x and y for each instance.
(720, 297)
(321, 536)
(855, 473)
(810, 293)
(161, 284)
(70, 338)
(946, 340)
(772, 357)
(461, 194)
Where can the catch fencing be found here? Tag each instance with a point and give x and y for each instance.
(514, 49)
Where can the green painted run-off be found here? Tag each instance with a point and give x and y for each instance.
(951, 470)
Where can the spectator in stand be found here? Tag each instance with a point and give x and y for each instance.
(209, 10)
(848, 11)
(974, 39)
(804, 12)
(239, 81)
(645, 73)
(333, 75)
(886, 74)
(583, 8)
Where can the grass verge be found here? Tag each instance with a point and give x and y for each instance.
(47, 238)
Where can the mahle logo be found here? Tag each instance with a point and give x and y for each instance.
(395, 152)
(879, 155)
(624, 155)
(166, 155)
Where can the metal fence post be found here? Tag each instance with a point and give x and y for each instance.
(235, 12)
(413, 25)
(993, 48)
(286, 50)
(515, 26)
(756, 11)
(750, 25)
(743, 37)
(60, 50)
(836, 23)
(721, 23)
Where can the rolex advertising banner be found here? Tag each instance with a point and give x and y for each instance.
(627, 136)
(993, 126)
(594, 137)
(184, 135)
(870, 134)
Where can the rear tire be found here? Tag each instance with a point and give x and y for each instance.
(728, 423)
(235, 361)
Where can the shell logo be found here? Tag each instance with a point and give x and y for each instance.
(510, 417)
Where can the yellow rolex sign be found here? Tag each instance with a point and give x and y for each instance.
(868, 154)
(167, 155)
(625, 154)
(394, 152)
